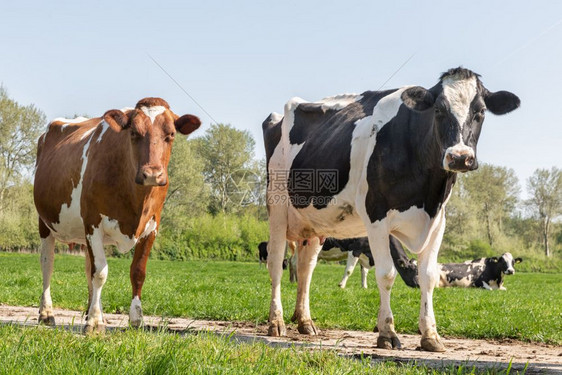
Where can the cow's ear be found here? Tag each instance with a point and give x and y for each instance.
(187, 124)
(518, 260)
(418, 98)
(501, 102)
(116, 119)
(494, 259)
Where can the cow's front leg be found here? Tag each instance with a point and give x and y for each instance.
(98, 269)
(47, 263)
(385, 274)
(307, 258)
(349, 267)
(138, 274)
(428, 275)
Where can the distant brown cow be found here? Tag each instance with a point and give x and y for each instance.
(102, 181)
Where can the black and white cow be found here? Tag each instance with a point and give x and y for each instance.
(486, 273)
(375, 164)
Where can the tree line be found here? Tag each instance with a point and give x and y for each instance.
(216, 201)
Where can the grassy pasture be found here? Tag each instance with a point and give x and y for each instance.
(529, 310)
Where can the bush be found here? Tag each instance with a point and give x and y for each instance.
(221, 237)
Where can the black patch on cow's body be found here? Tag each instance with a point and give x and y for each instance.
(403, 170)
(271, 136)
(327, 135)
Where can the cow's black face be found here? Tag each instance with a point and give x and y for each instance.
(459, 103)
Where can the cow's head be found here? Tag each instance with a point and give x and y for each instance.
(506, 263)
(459, 103)
(151, 126)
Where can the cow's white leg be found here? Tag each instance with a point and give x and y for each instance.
(276, 251)
(47, 264)
(99, 272)
(307, 258)
(364, 272)
(428, 274)
(349, 267)
(88, 269)
(385, 274)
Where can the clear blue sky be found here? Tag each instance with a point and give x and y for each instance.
(242, 60)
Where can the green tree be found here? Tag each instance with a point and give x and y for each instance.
(545, 202)
(493, 192)
(187, 194)
(227, 155)
(20, 126)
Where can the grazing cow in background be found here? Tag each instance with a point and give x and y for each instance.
(380, 163)
(101, 182)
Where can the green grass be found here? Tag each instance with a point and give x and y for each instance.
(529, 310)
(44, 351)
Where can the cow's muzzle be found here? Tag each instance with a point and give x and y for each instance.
(460, 159)
(151, 176)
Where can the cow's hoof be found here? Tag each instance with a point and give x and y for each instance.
(388, 343)
(277, 329)
(94, 329)
(431, 344)
(47, 320)
(307, 328)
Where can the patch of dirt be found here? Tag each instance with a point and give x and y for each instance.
(541, 358)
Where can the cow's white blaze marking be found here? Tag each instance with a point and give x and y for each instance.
(509, 260)
(459, 93)
(153, 111)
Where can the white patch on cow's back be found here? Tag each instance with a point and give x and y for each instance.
(88, 132)
(459, 93)
(153, 111)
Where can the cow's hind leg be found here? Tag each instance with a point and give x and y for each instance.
(385, 274)
(349, 267)
(307, 258)
(47, 263)
(138, 274)
(99, 272)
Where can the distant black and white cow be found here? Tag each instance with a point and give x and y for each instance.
(486, 273)
(375, 164)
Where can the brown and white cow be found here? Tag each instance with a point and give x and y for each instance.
(102, 181)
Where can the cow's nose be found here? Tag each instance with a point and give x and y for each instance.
(509, 272)
(460, 162)
(153, 176)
